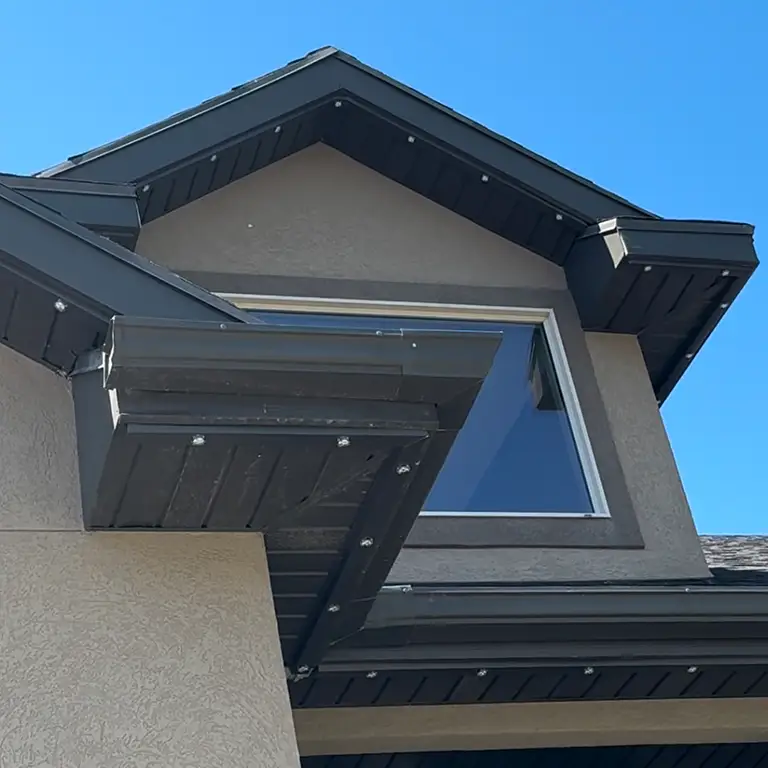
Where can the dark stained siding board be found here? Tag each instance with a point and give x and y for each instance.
(744, 755)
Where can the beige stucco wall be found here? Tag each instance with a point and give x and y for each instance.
(320, 214)
(123, 649)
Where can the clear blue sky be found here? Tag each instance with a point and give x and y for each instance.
(665, 103)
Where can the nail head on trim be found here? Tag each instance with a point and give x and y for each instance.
(59, 305)
(198, 440)
(647, 268)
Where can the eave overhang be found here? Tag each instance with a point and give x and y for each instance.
(331, 97)
(60, 284)
(666, 281)
(327, 441)
(519, 644)
(108, 209)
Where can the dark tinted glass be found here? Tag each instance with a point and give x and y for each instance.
(516, 452)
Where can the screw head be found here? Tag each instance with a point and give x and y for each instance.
(198, 440)
(411, 139)
(342, 442)
(725, 273)
(59, 305)
(725, 305)
(647, 268)
(213, 158)
(482, 672)
(689, 356)
(302, 669)
(692, 670)
(278, 128)
(403, 469)
(366, 542)
(414, 345)
(589, 670)
(558, 216)
(484, 178)
(373, 673)
(337, 104)
(334, 608)
(406, 588)
(145, 188)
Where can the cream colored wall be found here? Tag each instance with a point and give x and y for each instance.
(123, 649)
(320, 214)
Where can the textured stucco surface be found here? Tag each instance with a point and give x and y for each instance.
(320, 214)
(141, 650)
(672, 548)
(39, 488)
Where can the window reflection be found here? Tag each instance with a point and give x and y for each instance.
(516, 453)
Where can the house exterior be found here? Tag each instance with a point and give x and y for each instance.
(331, 437)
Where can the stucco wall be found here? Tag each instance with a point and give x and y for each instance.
(123, 649)
(318, 216)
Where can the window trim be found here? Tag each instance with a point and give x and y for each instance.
(545, 316)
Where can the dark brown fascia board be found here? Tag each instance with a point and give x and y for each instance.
(678, 615)
(682, 602)
(88, 270)
(318, 79)
(108, 209)
(143, 353)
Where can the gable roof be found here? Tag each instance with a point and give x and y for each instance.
(630, 271)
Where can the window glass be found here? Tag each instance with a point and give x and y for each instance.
(516, 453)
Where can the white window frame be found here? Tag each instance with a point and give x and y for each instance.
(470, 312)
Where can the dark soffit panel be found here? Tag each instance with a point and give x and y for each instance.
(666, 281)
(326, 440)
(60, 284)
(732, 755)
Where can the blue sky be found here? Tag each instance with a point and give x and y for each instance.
(664, 103)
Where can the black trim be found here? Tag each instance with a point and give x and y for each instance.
(110, 210)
